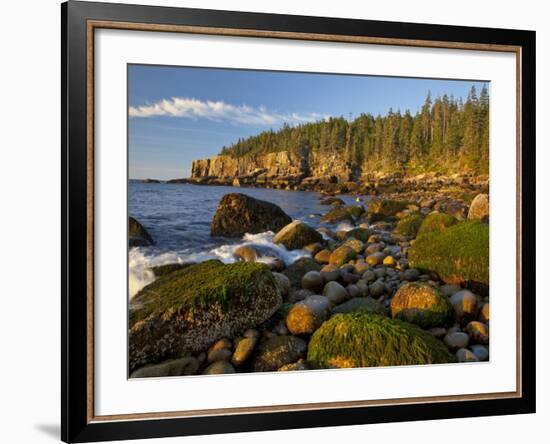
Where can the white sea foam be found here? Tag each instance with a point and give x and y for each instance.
(141, 260)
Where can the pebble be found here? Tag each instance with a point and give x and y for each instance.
(484, 313)
(323, 256)
(243, 350)
(465, 355)
(222, 354)
(219, 368)
(361, 266)
(330, 273)
(478, 332)
(464, 303)
(438, 332)
(376, 288)
(335, 293)
(283, 283)
(450, 289)
(369, 276)
(353, 291)
(380, 272)
(456, 340)
(375, 259)
(313, 281)
(481, 352)
(411, 275)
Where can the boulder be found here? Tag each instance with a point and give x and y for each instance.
(173, 367)
(362, 339)
(479, 208)
(342, 255)
(436, 222)
(338, 214)
(297, 235)
(360, 233)
(189, 309)
(274, 353)
(458, 254)
(138, 235)
(238, 214)
(307, 316)
(421, 304)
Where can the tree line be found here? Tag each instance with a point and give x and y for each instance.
(445, 135)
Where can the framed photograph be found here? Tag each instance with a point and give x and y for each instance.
(275, 221)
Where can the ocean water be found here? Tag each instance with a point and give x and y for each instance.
(178, 218)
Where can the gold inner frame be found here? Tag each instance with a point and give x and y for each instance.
(92, 25)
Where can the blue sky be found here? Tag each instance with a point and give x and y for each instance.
(179, 114)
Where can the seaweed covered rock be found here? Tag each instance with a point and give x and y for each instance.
(436, 222)
(189, 309)
(362, 339)
(138, 235)
(409, 225)
(421, 304)
(385, 209)
(238, 214)
(479, 208)
(162, 270)
(297, 235)
(359, 304)
(458, 254)
(274, 353)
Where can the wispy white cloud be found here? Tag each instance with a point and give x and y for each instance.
(191, 108)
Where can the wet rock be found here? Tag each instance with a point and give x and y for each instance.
(283, 283)
(238, 214)
(300, 267)
(323, 257)
(219, 368)
(330, 273)
(362, 303)
(138, 235)
(480, 351)
(375, 259)
(246, 253)
(456, 340)
(297, 235)
(376, 289)
(355, 244)
(173, 367)
(464, 303)
(278, 351)
(335, 293)
(342, 255)
(478, 332)
(313, 281)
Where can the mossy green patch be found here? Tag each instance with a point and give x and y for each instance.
(198, 285)
(362, 339)
(162, 270)
(385, 209)
(409, 225)
(436, 222)
(458, 254)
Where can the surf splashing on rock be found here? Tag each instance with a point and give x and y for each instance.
(141, 260)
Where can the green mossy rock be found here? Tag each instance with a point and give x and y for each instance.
(421, 304)
(297, 235)
(409, 225)
(163, 270)
(138, 235)
(189, 309)
(360, 304)
(361, 339)
(360, 233)
(458, 254)
(296, 271)
(338, 214)
(436, 222)
(385, 209)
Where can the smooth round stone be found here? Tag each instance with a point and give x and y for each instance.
(376, 289)
(300, 364)
(243, 350)
(438, 332)
(411, 274)
(478, 332)
(335, 293)
(306, 316)
(375, 259)
(353, 291)
(450, 289)
(389, 261)
(373, 248)
(380, 272)
(219, 368)
(323, 256)
(481, 352)
(223, 354)
(313, 281)
(355, 244)
(313, 248)
(484, 313)
(330, 273)
(173, 367)
(299, 295)
(369, 276)
(349, 278)
(361, 266)
(464, 303)
(221, 344)
(246, 253)
(363, 287)
(282, 282)
(456, 340)
(348, 268)
(465, 355)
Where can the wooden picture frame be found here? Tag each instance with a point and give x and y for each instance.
(79, 22)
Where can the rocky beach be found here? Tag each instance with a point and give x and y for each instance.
(393, 271)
